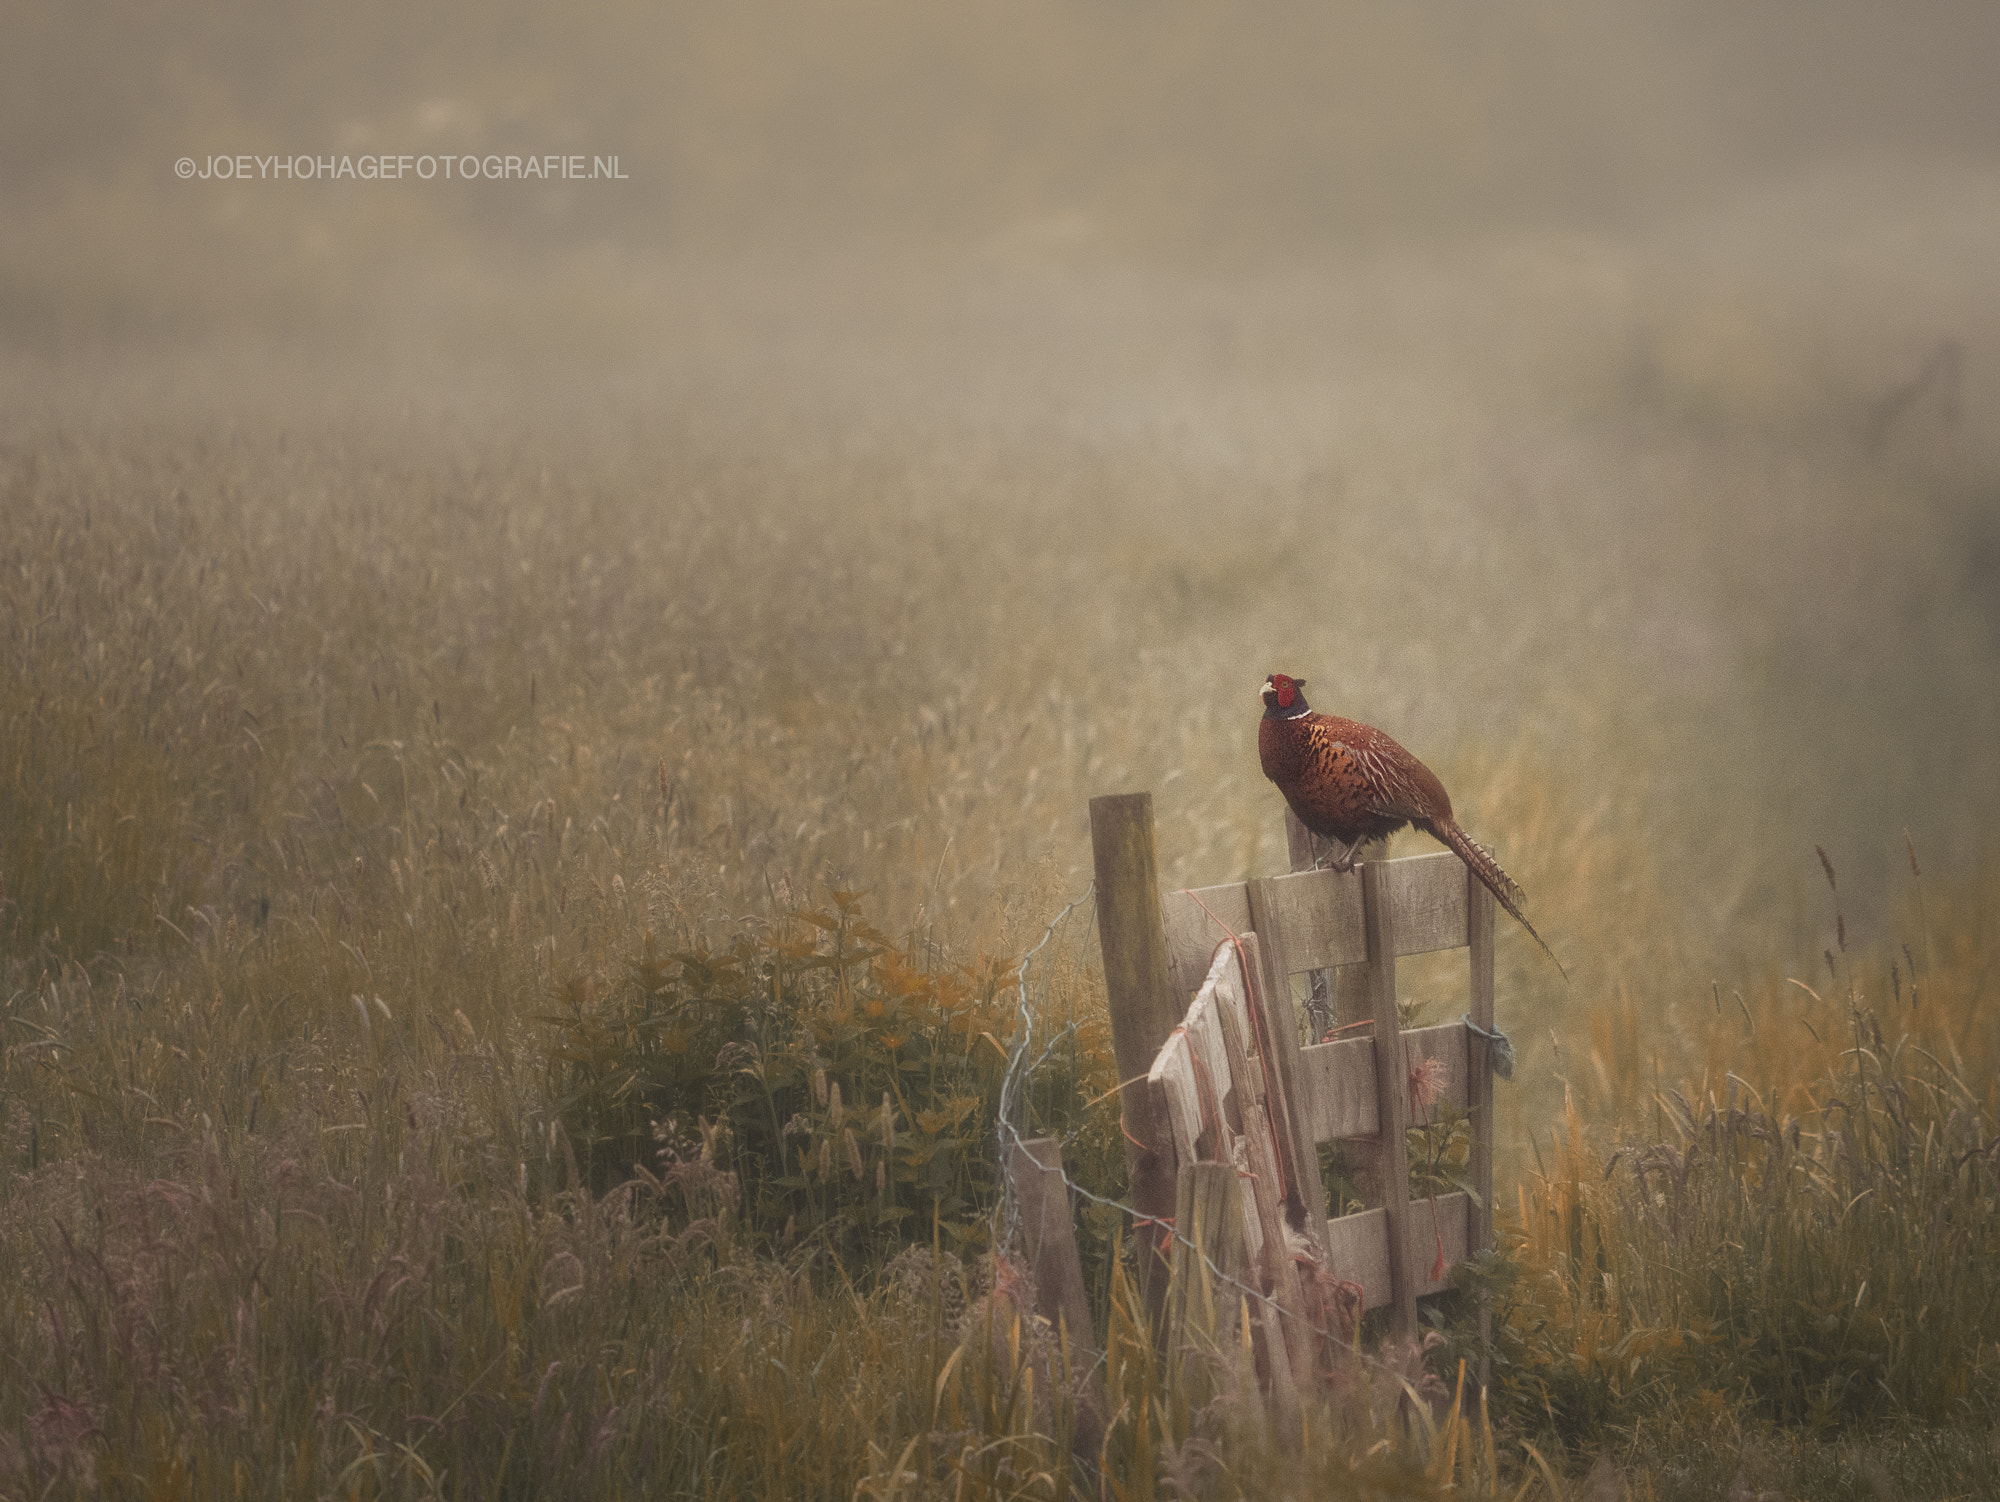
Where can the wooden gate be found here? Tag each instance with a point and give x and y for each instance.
(1200, 991)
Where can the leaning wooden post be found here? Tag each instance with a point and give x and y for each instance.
(1048, 1242)
(1392, 1092)
(1479, 908)
(1144, 1010)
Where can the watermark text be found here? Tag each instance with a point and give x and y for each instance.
(378, 168)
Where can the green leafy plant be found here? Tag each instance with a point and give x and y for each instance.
(850, 1089)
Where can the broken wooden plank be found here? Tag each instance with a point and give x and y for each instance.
(1214, 1094)
(1192, 1066)
(1262, 1221)
(1174, 1073)
(1277, 1038)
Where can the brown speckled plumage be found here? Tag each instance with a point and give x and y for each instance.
(1350, 783)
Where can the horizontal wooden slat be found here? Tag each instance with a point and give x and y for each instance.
(1360, 1246)
(1337, 1080)
(1319, 916)
(1427, 894)
(1321, 911)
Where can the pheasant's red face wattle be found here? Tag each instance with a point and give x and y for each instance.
(1286, 693)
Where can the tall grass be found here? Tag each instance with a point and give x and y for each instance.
(266, 1322)
(401, 815)
(1799, 1243)
(348, 929)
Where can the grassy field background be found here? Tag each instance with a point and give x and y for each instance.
(464, 656)
(766, 621)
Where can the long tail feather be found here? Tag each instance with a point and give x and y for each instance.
(1505, 890)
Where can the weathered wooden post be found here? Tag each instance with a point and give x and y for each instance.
(1144, 1010)
(1048, 1242)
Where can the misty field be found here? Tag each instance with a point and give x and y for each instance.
(514, 883)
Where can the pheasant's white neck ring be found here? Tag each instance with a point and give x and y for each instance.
(1298, 714)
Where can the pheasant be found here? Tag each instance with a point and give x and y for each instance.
(1350, 783)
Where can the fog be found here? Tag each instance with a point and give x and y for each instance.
(1656, 342)
(1172, 136)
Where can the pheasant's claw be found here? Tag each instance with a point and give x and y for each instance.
(1344, 861)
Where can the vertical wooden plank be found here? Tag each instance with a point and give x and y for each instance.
(1208, 1212)
(1479, 909)
(1263, 1223)
(1048, 1242)
(1153, 1230)
(1278, 1029)
(1298, 842)
(1205, 1300)
(1290, 1347)
(1141, 1002)
(1331, 1003)
(1280, 1326)
(1392, 1089)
